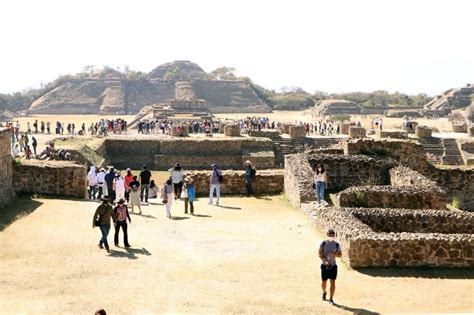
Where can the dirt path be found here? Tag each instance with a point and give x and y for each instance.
(251, 256)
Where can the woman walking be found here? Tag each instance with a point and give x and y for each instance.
(102, 216)
(121, 216)
(189, 194)
(177, 175)
(135, 194)
(119, 186)
(320, 183)
(167, 196)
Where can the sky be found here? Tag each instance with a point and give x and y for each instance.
(410, 46)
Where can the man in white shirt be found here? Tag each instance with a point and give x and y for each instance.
(101, 183)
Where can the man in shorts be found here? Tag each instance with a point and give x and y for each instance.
(328, 251)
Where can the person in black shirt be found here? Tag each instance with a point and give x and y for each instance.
(145, 176)
(109, 180)
(135, 194)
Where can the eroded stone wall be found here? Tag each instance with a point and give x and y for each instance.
(6, 191)
(50, 178)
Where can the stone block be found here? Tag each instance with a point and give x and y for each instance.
(357, 132)
(459, 127)
(471, 131)
(393, 134)
(345, 127)
(232, 130)
(296, 132)
(423, 132)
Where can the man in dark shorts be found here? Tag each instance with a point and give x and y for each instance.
(328, 251)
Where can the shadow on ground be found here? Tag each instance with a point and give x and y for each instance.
(17, 209)
(422, 272)
(229, 207)
(355, 310)
(130, 253)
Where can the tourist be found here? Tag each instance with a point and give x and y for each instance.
(16, 150)
(102, 216)
(167, 196)
(119, 186)
(145, 176)
(250, 173)
(135, 194)
(215, 183)
(121, 216)
(189, 194)
(177, 175)
(320, 183)
(100, 312)
(328, 251)
(101, 183)
(35, 125)
(28, 152)
(109, 180)
(128, 178)
(34, 144)
(92, 182)
(154, 190)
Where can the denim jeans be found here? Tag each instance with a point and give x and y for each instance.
(320, 191)
(92, 192)
(104, 228)
(217, 188)
(122, 224)
(248, 185)
(146, 188)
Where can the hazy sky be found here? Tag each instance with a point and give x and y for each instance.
(336, 46)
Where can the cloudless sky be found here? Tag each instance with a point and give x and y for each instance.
(409, 46)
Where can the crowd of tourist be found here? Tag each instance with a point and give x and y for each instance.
(155, 126)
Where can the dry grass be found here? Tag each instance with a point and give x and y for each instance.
(250, 256)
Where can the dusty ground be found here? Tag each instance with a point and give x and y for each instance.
(249, 256)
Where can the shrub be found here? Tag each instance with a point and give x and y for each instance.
(457, 203)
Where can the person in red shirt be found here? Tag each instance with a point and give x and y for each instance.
(128, 178)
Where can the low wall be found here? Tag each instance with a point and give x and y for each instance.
(272, 134)
(410, 197)
(363, 247)
(298, 179)
(267, 182)
(50, 178)
(357, 132)
(6, 191)
(393, 134)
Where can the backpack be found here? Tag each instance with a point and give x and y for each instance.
(220, 177)
(253, 173)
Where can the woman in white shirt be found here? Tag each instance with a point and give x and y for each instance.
(177, 175)
(119, 186)
(320, 183)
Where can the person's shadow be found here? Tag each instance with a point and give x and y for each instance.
(202, 215)
(354, 310)
(176, 218)
(229, 207)
(130, 253)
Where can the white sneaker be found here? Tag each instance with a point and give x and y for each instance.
(325, 203)
(318, 205)
(209, 203)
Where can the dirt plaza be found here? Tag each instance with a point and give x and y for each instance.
(255, 255)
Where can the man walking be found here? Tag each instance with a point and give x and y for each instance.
(109, 180)
(101, 183)
(145, 176)
(102, 216)
(249, 177)
(328, 251)
(215, 183)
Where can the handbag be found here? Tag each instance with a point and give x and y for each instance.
(97, 222)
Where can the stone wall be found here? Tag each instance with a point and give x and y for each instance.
(459, 127)
(363, 247)
(393, 134)
(267, 182)
(232, 130)
(50, 178)
(470, 131)
(6, 191)
(357, 132)
(298, 179)
(296, 132)
(423, 132)
(192, 153)
(410, 197)
(456, 182)
(272, 134)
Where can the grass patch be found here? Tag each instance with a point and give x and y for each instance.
(341, 117)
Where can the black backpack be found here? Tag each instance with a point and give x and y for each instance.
(253, 173)
(220, 177)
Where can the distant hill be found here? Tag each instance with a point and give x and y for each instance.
(113, 92)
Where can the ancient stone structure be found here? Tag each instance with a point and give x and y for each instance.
(50, 178)
(334, 107)
(272, 134)
(6, 191)
(285, 128)
(385, 196)
(345, 127)
(296, 131)
(470, 131)
(399, 237)
(196, 153)
(267, 182)
(410, 127)
(182, 131)
(111, 92)
(232, 130)
(423, 132)
(449, 100)
(459, 127)
(357, 132)
(393, 134)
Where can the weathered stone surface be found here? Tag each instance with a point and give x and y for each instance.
(334, 107)
(459, 127)
(272, 134)
(60, 178)
(296, 132)
(393, 134)
(232, 130)
(357, 132)
(423, 132)
(6, 191)
(471, 131)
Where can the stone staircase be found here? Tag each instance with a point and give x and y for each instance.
(434, 149)
(284, 146)
(452, 155)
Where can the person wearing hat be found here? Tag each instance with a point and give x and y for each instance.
(249, 177)
(119, 186)
(329, 249)
(102, 216)
(121, 215)
(215, 183)
(128, 178)
(189, 194)
(145, 176)
(177, 175)
(101, 183)
(135, 194)
(92, 182)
